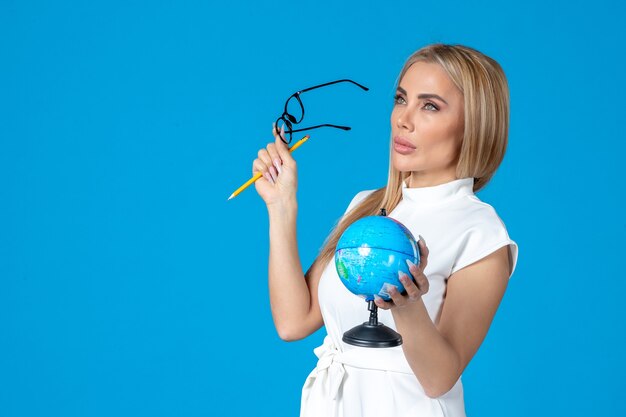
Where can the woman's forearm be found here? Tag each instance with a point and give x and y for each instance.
(433, 360)
(290, 297)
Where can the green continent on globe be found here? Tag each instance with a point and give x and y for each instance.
(342, 270)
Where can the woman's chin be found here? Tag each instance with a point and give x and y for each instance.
(403, 166)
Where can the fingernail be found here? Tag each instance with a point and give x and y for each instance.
(402, 276)
(409, 263)
(422, 239)
(273, 172)
(277, 165)
(268, 177)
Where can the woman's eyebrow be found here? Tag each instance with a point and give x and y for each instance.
(424, 95)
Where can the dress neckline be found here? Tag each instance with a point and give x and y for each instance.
(439, 193)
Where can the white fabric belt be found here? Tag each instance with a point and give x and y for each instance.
(323, 383)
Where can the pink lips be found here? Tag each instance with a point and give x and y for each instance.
(402, 146)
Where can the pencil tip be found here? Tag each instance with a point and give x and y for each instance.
(231, 196)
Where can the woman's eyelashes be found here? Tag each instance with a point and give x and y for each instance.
(398, 99)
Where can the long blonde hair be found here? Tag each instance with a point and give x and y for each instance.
(483, 84)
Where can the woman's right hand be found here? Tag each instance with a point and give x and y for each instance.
(279, 182)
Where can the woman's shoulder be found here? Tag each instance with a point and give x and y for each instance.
(481, 231)
(477, 213)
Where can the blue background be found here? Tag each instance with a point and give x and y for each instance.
(130, 286)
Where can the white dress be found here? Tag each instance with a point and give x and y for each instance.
(352, 381)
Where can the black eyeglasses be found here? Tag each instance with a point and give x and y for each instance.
(295, 106)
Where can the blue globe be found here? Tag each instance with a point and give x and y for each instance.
(369, 254)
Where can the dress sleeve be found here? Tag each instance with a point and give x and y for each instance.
(486, 235)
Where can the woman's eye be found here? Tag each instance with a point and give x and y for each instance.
(397, 99)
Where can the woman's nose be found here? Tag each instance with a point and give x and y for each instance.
(403, 120)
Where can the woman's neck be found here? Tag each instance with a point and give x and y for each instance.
(429, 179)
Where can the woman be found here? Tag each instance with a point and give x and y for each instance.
(449, 128)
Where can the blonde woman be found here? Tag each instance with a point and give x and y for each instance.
(449, 128)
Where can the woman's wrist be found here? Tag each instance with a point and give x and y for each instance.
(283, 209)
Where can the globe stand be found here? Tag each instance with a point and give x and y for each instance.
(372, 334)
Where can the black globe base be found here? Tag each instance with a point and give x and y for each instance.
(372, 334)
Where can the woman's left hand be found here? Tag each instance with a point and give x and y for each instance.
(414, 288)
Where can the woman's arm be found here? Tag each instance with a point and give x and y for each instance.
(438, 353)
(293, 297)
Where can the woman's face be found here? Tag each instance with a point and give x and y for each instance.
(427, 125)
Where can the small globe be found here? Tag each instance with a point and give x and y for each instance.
(369, 254)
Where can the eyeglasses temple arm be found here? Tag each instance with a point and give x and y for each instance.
(334, 82)
(324, 125)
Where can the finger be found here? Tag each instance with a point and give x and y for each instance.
(397, 298)
(415, 270)
(423, 284)
(418, 275)
(275, 131)
(380, 303)
(258, 166)
(266, 175)
(283, 152)
(277, 134)
(278, 164)
(273, 173)
(264, 156)
(412, 290)
(276, 161)
(423, 253)
(273, 152)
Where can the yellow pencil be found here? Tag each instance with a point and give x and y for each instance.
(259, 175)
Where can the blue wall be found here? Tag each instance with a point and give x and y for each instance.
(129, 286)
